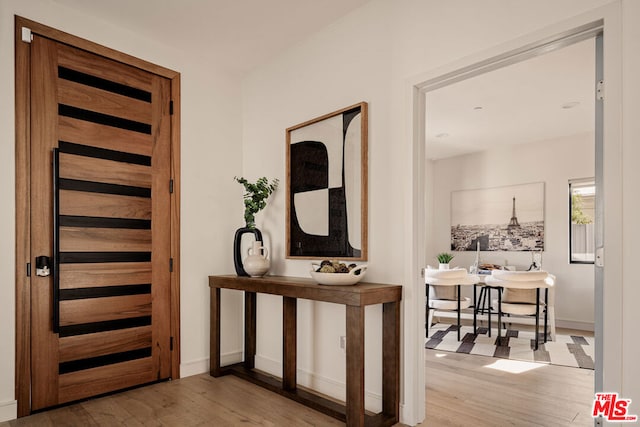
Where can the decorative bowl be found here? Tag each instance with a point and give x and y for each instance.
(350, 278)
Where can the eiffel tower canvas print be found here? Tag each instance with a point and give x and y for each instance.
(509, 218)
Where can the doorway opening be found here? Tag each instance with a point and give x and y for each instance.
(477, 175)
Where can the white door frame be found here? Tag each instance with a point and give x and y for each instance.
(609, 309)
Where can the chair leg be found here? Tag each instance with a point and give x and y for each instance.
(546, 315)
(489, 310)
(499, 315)
(537, 318)
(428, 314)
(458, 289)
(552, 323)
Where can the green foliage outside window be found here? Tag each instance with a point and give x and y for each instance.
(577, 215)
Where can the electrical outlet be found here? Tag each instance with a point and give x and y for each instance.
(343, 342)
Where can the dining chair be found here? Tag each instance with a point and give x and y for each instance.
(443, 293)
(522, 298)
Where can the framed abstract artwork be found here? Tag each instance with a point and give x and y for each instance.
(509, 218)
(327, 186)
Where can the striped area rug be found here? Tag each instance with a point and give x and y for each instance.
(567, 350)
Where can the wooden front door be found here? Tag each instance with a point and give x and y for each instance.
(100, 211)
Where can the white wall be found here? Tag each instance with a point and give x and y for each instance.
(553, 162)
(211, 202)
(631, 177)
(372, 55)
(317, 77)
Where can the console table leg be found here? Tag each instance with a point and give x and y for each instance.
(214, 334)
(391, 359)
(289, 350)
(355, 365)
(250, 329)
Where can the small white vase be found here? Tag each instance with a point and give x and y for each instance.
(256, 264)
(443, 266)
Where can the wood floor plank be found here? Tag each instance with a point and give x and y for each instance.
(461, 391)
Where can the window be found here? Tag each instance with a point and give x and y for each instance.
(582, 195)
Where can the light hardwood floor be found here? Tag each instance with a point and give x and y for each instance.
(461, 391)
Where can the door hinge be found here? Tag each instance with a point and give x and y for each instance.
(599, 262)
(26, 35)
(171, 186)
(600, 90)
(170, 265)
(171, 108)
(170, 343)
(28, 269)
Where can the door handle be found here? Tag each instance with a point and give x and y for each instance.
(56, 241)
(43, 266)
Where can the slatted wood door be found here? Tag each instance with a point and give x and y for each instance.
(100, 208)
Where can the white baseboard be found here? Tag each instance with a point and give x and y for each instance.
(8, 410)
(201, 366)
(575, 324)
(321, 384)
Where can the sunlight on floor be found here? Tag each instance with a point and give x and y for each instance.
(441, 355)
(514, 366)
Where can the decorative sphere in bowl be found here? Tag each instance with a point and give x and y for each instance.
(334, 273)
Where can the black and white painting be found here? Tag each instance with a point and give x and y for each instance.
(327, 186)
(509, 218)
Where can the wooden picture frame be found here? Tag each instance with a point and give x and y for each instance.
(327, 186)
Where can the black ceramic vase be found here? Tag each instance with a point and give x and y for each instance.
(237, 241)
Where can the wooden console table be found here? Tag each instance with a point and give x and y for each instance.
(355, 298)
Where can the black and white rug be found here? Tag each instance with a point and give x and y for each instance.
(567, 350)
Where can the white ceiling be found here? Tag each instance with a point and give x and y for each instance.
(242, 33)
(521, 103)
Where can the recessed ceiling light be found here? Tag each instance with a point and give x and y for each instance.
(442, 135)
(478, 108)
(569, 105)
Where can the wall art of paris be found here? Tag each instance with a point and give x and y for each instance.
(509, 218)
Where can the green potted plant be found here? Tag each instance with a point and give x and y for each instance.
(255, 199)
(444, 258)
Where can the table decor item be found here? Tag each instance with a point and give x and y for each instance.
(257, 263)
(444, 259)
(255, 199)
(337, 273)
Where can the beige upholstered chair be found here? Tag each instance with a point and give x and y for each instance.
(443, 292)
(526, 293)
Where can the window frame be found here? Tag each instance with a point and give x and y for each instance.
(572, 184)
